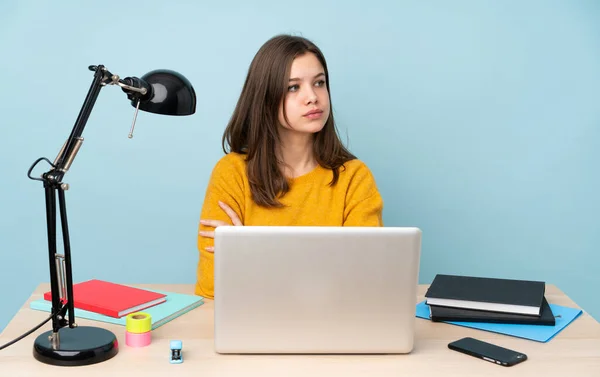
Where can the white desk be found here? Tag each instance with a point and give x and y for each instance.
(573, 352)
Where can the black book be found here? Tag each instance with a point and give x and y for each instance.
(443, 313)
(488, 294)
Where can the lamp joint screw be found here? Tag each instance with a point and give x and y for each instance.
(65, 186)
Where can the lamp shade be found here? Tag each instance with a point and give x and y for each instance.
(170, 93)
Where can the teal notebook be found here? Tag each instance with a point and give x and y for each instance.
(176, 305)
(563, 317)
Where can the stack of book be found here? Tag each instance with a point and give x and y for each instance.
(110, 302)
(111, 299)
(480, 299)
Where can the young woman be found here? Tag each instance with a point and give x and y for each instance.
(285, 164)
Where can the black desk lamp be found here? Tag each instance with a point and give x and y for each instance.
(160, 92)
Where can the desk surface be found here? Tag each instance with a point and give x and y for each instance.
(573, 352)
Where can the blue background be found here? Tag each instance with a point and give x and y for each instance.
(479, 119)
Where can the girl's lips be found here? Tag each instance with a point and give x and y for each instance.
(314, 114)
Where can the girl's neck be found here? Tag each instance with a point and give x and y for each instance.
(297, 154)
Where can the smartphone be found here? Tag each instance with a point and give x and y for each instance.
(487, 351)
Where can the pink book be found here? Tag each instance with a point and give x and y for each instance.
(111, 299)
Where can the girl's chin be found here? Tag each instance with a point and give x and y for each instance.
(311, 128)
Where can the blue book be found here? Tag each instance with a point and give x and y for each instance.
(563, 317)
(175, 305)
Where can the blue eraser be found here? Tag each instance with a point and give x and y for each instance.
(176, 352)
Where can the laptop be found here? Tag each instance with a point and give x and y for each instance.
(315, 290)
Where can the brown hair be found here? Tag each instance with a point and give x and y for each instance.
(253, 127)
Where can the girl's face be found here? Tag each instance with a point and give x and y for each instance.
(307, 101)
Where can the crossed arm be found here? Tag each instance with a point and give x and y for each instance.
(235, 220)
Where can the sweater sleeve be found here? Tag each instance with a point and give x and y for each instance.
(364, 204)
(226, 184)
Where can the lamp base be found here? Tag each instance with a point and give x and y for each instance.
(83, 345)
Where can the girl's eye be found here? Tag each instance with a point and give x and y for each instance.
(293, 88)
(320, 83)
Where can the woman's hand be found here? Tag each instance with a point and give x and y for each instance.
(235, 220)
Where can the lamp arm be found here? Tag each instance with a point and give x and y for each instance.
(61, 276)
(102, 77)
(65, 157)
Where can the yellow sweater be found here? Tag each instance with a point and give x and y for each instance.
(353, 201)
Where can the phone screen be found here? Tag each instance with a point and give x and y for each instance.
(487, 351)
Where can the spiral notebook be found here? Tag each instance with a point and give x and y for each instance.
(175, 305)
